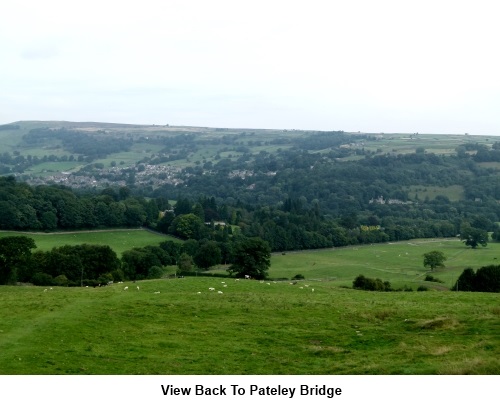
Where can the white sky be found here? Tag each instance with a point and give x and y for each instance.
(354, 65)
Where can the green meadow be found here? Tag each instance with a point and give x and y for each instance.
(181, 327)
(119, 240)
(318, 325)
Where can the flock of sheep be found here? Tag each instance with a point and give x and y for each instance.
(223, 283)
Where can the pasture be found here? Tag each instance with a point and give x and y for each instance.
(316, 326)
(119, 240)
(400, 263)
(181, 327)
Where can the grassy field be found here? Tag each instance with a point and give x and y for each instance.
(118, 240)
(251, 328)
(316, 326)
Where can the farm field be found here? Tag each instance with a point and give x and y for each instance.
(180, 327)
(119, 240)
(317, 326)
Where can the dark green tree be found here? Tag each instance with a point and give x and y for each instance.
(466, 281)
(251, 257)
(434, 259)
(15, 251)
(208, 255)
(473, 237)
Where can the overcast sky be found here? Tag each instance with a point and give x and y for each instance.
(354, 65)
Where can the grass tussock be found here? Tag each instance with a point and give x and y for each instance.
(384, 314)
(441, 323)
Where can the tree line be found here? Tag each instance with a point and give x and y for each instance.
(98, 265)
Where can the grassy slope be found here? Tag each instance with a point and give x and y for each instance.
(118, 240)
(256, 328)
(252, 328)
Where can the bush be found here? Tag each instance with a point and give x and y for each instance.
(422, 288)
(155, 272)
(298, 277)
(428, 277)
(364, 283)
(61, 280)
(42, 279)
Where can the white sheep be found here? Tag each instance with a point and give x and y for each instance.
(211, 288)
(219, 292)
(156, 292)
(126, 288)
(137, 288)
(225, 285)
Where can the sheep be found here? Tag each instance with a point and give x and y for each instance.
(45, 290)
(219, 292)
(225, 285)
(137, 288)
(247, 277)
(156, 292)
(126, 288)
(223, 282)
(312, 289)
(211, 288)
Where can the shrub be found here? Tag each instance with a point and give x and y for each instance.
(298, 277)
(422, 288)
(428, 277)
(42, 279)
(155, 272)
(61, 280)
(364, 283)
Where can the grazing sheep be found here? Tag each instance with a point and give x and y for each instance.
(268, 283)
(225, 285)
(156, 292)
(312, 289)
(211, 288)
(45, 290)
(137, 288)
(219, 292)
(223, 282)
(247, 277)
(126, 288)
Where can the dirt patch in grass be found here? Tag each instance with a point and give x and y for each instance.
(438, 351)
(438, 324)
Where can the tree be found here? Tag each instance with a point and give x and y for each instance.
(184, 263)
(434, 259)
(473, 237)
(466, 281)
(252, 257)
(208, 255)
(14, 252)
(187, 226)
(486, 279)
